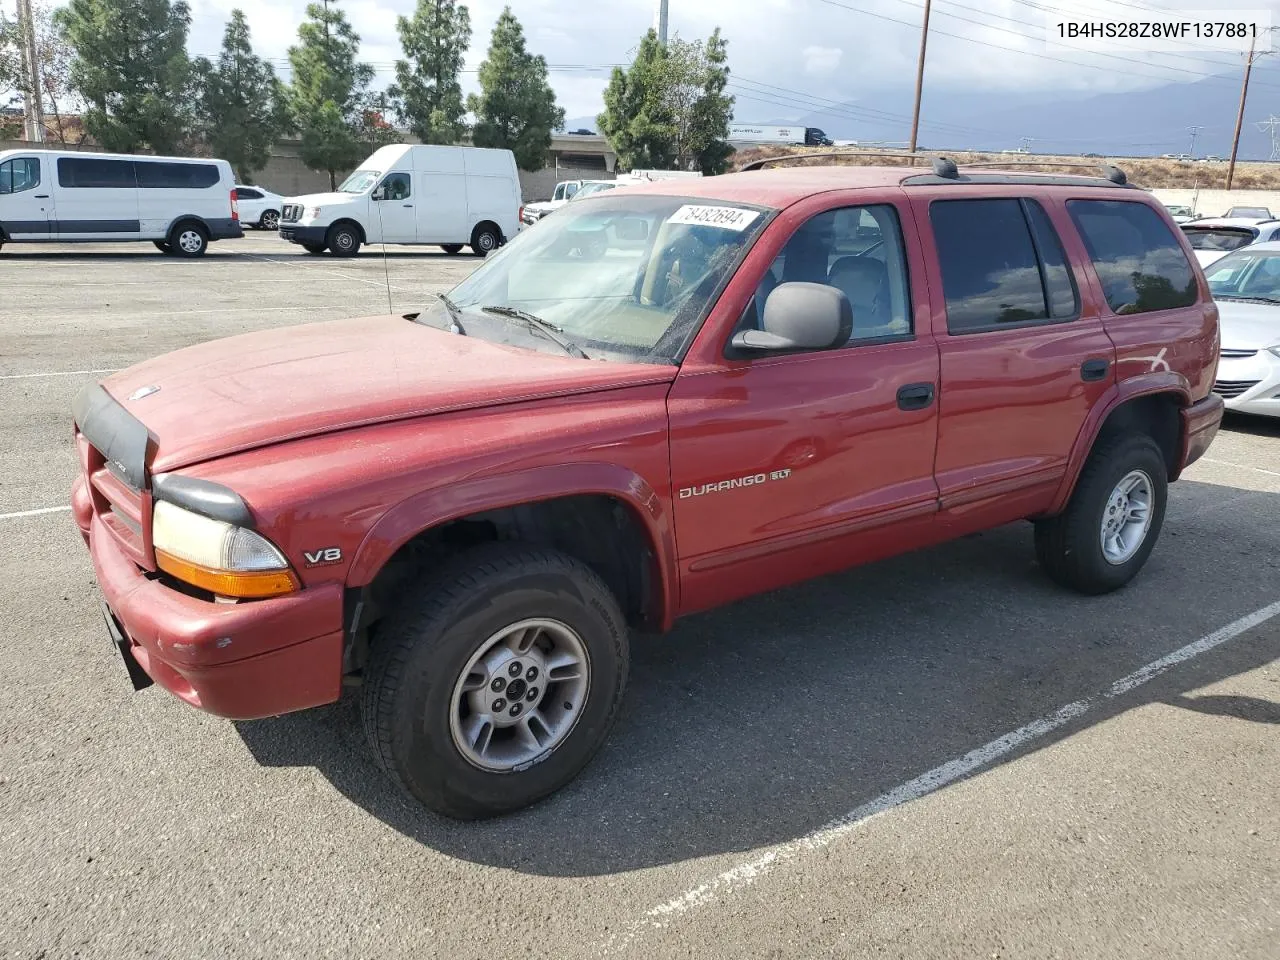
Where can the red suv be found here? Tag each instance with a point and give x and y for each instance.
(653, 402)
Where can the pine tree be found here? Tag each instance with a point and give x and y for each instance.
(130, 67)
(669, 109)
(516, 108)
(239, 102)
(328, 98)
(427, 93)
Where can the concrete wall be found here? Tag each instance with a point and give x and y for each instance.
(1214, 203)
(287, 175)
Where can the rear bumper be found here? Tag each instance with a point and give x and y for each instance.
(1200, 423)
(227, 229)
(243, 660)
(315, 236)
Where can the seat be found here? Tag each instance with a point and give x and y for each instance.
(865, 281)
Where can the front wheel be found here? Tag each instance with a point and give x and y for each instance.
(1112, 521)
(450, 248)
(498, 686)
(343, 240)
(270, 220)
(313, 248)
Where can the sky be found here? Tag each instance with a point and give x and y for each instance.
(787, 56)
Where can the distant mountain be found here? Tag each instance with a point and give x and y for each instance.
(1114, 124)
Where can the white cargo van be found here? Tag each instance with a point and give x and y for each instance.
(179, 204)
(413, 193)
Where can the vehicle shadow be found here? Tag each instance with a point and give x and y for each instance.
(1254, 426)
(761, 722)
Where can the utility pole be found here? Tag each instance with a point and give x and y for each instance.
(1244, 93)
(915, 114)
(660, 22)
(1193, 131)
(1272, 126)
(32, 102)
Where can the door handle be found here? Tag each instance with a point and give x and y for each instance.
(41, 196)
(408, 204)
(1094, 369)
(915, 396)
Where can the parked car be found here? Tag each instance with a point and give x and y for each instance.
(259, 207)
(661, 400)
(1246, 286)
(413, 194)
(1251, 213)
(1180, 214)
(565, 191)
(179, 204)
(1214, 237)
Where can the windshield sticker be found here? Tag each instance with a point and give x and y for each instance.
(726, 218)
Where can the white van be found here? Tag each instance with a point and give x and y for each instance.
(179, 204)
(413, 193)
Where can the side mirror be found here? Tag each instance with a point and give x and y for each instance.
(380, 192)
(800, 316)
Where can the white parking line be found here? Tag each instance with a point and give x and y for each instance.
(748, 871)
(1241, 466)
(57, 373)
(322, 271)
(33, 513)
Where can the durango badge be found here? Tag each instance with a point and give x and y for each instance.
(320, 558)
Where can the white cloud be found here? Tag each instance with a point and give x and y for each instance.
(821, 60)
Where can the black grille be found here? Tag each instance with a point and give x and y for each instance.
(291, 213)
(1230, 389)
(1228, 354)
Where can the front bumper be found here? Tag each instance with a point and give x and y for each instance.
(243, 660)
(312, 236)
(1200, 423)
(1250, 384)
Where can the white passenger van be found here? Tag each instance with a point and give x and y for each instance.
(413, 193)
(180, 204)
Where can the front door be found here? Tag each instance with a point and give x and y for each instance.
(789, 466)
(393, 209)
(1024, 357)
(26, 202)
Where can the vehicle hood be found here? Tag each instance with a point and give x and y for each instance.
(320, 199)
(276, 385)
(1248, 326)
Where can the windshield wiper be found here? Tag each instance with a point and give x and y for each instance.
(1248, 297)
(535, 322)
(454, 314)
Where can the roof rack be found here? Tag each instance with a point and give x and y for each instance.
(759, 164)
(946, 167)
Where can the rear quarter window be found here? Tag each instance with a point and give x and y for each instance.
(1139, 261)
(176, 176)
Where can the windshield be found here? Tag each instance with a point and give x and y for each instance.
(623, 277)
(1257, 213)
(590, 188)
(1180, 211)
(360, 181)
(1219, 238)
(1246, 276)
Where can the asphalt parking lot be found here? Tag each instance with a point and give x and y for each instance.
(942, 755)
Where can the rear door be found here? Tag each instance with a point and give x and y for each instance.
(1152, 304)
(26, 200)
(97, 199)
(1024, 357)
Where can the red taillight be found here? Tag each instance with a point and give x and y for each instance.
(520, 214)
(235, 207)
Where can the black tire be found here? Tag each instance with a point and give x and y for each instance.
(163, 246)
(424, 645)
(451, 248)
(270, 220)
(313, 248)
(485, 239)
(343, 240)
(1069, 546)
(188, 239)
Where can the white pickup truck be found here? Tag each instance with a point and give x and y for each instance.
(567, 190)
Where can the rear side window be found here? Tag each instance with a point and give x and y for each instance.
(95, 172)
(157, 175)
(1138, 259)
(245, 193)
(1002, 263)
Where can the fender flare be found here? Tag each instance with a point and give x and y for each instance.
(183, 218)
(1145, 385)
(440, 505)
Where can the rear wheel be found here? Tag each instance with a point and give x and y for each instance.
(451, 248)
(343, 240)
(1111, 524)
(496, 687)
(485, 239)
(189, 239)
(270, 220)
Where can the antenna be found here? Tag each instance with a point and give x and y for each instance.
(386, 272)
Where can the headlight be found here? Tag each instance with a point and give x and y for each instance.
(313, 212)
(226, 560)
